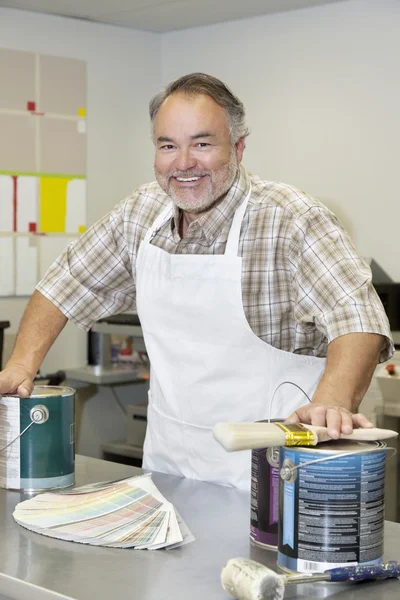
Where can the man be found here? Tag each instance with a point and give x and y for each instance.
(242, 288)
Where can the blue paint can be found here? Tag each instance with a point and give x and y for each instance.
(331, 511)
(37, 439)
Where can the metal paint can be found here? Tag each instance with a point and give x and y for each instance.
(37, 439)
(264, 506)
(331, 512)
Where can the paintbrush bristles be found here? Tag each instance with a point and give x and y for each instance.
(248, 436)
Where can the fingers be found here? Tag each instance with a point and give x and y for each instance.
(337, 419)
(25, 388)
(360, 420)
(15, 383)
(294, 418)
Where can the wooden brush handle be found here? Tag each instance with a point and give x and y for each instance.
(369, 435)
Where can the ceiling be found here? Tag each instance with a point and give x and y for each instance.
(161, 15)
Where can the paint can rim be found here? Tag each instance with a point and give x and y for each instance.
(340, 447)
(45, 391)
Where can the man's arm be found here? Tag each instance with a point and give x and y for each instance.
(350, 364)
(41, 323)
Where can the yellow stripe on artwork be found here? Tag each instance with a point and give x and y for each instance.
(53, 204)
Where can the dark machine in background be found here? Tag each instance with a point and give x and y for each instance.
(389, 293)
(3, 325)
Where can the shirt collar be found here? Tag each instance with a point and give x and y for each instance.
(213, 221)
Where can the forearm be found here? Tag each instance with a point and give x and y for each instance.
(41, 323)
(350, 364)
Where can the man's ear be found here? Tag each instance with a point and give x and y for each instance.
(239, 147)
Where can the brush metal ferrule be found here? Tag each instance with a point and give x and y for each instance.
(297, 435)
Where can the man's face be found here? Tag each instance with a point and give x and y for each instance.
(195, 161)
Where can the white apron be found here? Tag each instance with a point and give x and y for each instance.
(207, 365)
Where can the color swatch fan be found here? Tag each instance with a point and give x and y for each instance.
(130, 513)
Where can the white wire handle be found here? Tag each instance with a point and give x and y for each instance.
(39, 414)
(287, 471)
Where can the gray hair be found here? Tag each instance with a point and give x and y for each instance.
(196, 84)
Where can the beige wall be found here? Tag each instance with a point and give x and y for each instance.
(123, 72)
(322, 93)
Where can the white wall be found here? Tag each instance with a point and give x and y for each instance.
(322, 92)
(123, 69)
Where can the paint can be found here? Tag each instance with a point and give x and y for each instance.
(331, 512)
(264, 506)
(37, 439)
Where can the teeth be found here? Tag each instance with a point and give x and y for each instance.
(185, 179)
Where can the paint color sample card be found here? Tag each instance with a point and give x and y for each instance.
(130, 513)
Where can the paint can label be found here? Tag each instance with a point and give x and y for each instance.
(38, 454)
(10, 466)
(265, 497)
(332, 514)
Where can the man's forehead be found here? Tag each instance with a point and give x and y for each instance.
(191, 103)
(201, 112)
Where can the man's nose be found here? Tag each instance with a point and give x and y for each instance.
(185, 160)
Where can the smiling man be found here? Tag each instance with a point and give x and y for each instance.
(195, 162)
(252, 300)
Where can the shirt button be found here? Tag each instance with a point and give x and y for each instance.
(184, 250)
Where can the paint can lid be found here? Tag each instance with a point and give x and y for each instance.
(342, 446)
(45, 391)
(48, 391)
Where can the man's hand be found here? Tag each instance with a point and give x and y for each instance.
(41, 323)
(336, 418)
(16, 380)
(350, 364)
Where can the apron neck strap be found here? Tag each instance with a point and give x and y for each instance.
(159, 222)
(232, 244)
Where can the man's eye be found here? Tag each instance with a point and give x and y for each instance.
(166, 147)
(203, 145)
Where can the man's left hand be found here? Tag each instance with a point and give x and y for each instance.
(336, 418)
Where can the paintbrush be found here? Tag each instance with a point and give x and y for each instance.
(247, 579)
(250, 436)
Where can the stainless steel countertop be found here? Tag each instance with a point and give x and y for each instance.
(33, 567)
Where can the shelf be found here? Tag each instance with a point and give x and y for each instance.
(115, 328)
(122, 449)
(108, 376)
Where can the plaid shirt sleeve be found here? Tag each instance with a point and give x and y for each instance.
(93, 277)
(333, 287)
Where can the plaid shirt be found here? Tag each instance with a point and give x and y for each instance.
(303, 283)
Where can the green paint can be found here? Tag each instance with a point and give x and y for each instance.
(37, 439)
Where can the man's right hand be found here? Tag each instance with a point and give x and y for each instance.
(41, 323)
(16, 380)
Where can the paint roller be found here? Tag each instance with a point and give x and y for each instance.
(247, 579)
(251, 436)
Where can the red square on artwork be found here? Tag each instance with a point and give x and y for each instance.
(32, 227)
(30, 105)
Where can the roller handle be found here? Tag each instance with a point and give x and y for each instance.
(364, 572)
